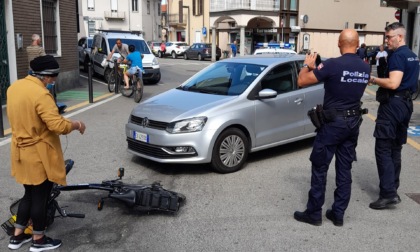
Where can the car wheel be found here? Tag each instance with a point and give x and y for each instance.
(159, 54)
(107, 74)
(230, 151)
(199, 57)
(173, 55)
(185, 56)
(156, 80)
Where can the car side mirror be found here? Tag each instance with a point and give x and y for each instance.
(266, 94)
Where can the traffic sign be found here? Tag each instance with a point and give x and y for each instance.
(398, 14)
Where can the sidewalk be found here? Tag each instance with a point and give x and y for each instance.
(74, 98)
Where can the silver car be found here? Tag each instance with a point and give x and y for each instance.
(227, 110)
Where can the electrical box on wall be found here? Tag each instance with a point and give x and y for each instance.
(19, 40)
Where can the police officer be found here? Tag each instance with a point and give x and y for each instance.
(394, 113)
(345, 79)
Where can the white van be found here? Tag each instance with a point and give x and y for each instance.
(102, 45)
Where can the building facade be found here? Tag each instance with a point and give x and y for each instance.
(55, 21)
(124, 15)
(288, 21)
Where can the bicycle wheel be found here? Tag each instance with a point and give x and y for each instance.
(138, 90)
(127, 92)
(111, 82)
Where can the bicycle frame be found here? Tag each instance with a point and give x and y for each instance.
(147, 198)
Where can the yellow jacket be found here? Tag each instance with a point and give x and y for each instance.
(36, 153)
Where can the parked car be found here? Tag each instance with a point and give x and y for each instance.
(225, 111)
(155, 46)
(274, 51)
(176, 49)
(104, 41)
(201, 51)
(84, 45)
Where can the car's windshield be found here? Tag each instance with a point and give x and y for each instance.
(224, 78)
(140, 45)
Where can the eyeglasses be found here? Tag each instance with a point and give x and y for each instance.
(388, 37)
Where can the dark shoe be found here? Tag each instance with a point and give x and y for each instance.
(304, 217)
(383, 203)
(330, 215)
(45, 243)
(17, 241)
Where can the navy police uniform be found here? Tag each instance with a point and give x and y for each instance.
(345, 79)
(394, 115)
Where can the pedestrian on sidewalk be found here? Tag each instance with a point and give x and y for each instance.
(37, 159)
(35, 49)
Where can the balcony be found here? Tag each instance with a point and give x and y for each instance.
(254, 5)
(174, 19)
(114, 15)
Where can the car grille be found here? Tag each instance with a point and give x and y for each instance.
(151, 150)
(150, 123)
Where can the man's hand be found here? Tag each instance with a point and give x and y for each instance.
(310, 60)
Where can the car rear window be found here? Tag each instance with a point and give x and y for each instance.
(140, 45)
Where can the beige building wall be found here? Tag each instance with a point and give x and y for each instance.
(326, 19)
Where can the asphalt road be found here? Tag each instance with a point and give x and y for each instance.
(250, 210)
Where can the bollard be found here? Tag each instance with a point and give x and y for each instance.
(1, 119)
(116, 77)
(90, 82)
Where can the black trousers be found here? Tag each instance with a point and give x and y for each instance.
(33, 206)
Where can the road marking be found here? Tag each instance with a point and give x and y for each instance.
(104, 98)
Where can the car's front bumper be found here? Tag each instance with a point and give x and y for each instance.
(160, 145)
(151, 73)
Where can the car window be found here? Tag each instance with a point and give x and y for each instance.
(140, 45)
(279, 79)
(224, 78)
(103, 48)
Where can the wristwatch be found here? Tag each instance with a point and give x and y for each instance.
(305, 65)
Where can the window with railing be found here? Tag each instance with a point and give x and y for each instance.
(148, 7)
(91, 5)
(50, 26)
(135, 5)
(258, 5)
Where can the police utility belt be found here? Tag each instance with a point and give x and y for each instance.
(383, 95)
(319, 116)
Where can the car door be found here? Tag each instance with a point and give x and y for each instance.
(280, 118)
(191, 51)
(81, 45)
(100, 54)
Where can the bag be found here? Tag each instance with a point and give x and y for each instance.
(104, 62)
(316, 115)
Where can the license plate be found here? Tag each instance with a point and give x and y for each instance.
(141, 136)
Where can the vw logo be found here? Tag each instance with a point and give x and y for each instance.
(145, 122)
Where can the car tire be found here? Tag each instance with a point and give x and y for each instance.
(199, 57)
(185, 56)
(159, 54)
(156, 80)
(173, 55)
(230, 151)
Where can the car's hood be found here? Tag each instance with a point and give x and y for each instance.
(148, 58)
(177, 104)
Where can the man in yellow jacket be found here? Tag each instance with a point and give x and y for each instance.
(36, 157)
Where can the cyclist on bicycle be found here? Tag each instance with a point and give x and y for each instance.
(136, 64)
(120, 48)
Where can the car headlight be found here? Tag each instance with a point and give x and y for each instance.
(155, 62)
(188, 125)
